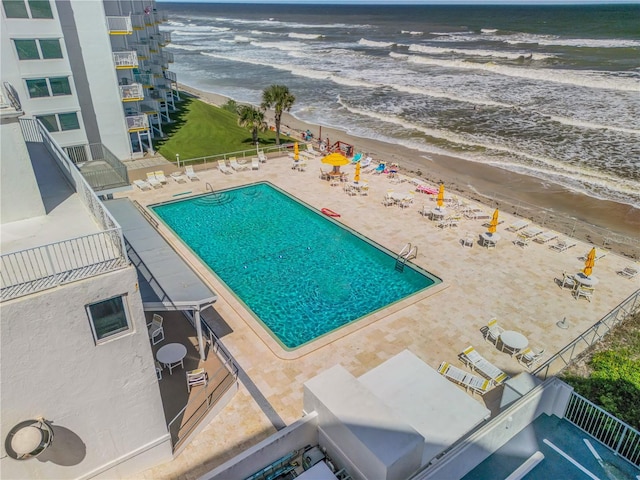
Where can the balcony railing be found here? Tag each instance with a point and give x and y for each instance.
(131, 93)
(146, 79)
(47, 266)
(138, 22)
(143, 51)
(124, 60)
(165, 38)
(171, 76)
(119, 25)
(149, 19)
(100, 167)
(136, 123)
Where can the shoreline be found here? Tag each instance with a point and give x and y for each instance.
(600, 222)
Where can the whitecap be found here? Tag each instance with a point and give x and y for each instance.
(372, 43)
(305, 36)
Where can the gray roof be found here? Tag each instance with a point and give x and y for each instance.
(166, 281)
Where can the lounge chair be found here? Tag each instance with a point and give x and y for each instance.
(142, 185)
(160, 176)
(179, 177)
(153, 181)
(546, 237)
(255, 163)
(599, 254)
(365, 163)
(380, 168)
(531, 232)
(475, 361)
(262, 157)
(235, 165)
(191, 175)
(518, 225)
(562, 245)
(311, 150)
(521, 241)
(629, 271)
(222, 166)
(492, 331)
(529, 357)
(468, 380)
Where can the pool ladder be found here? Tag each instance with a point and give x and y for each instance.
(207, 187)
(407, 253)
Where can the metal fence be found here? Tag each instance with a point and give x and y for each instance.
(564, 357)
(623, 439)
(242, 154)
(99, 176)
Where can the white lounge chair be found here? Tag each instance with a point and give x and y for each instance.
(546, 237)
(235, 165)
(142, 185)
(311, 150)
(262, 157)
(629, 271)
(153, 181)
(160, 176)
(529, 357)
(468, 380)
(531, 232)
(255, 163)
(518, 225)
(191, 175)
(178, 177)
(522, 241)
(562, 245)
(475, 361)
(222, 166)
(492, 331)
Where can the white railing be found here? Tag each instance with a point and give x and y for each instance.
(131, 93)
(171, 76)
(168, 57)
(165, 38)
(137, 122)
(138, 22)
(623, 439)
(119, 25)
(125, 59)
(143, 51)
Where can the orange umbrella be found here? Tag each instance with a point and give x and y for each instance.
(356, 176)
(494, 222)
(590, 262)
(440, 198)
(296, 152)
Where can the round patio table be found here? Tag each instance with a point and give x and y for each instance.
(514, 341)
(171, 354)
(582, 279)
(438, 213)
(490, 238)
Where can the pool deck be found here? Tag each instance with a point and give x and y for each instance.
(514, 284)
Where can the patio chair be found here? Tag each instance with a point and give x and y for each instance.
(142, 185)
(178, 177)
(191, 175)
(255, 163)
(468, 240)
(156, 331)
(196, 377)
(529, 357)
(160, 176)
(158, 370)
(475, 361)
(222, 166)
(468, 380)
(493, 331)
(518, 225)
(582, 291)
(235, 165)
(568, 281)
(629, 271)
(153, 181)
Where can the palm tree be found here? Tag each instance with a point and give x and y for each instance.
(281, 100)
(253, 119)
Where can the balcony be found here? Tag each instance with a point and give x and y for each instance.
(149, 20)
(131, 93)
(119, 25)
(143, 51)
(137, 123)
(125, 60)
(146, 79)
(171, 76)
(138, 22)
(165, 38)
(168, 57)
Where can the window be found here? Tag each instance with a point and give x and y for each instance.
(108, 317)
(60, 121)
(47, 87)
(27, 9)
(33, 49)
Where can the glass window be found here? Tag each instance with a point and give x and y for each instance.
(27, 49)
(49, 122)
(68, 121)
(60, 86)
(40, 9)
(15, 9)
(50, 48)
(108, 317)
(38, 87)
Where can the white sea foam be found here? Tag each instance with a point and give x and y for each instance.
(173, 23)
(409, 32)
(190, 48)
(284, 46)
(552, 40)
(279, 23)
(589, 79)
(305, 36)
(372, 43)
(488, 30)
(477, 52)
(262, 32)
(242, 39)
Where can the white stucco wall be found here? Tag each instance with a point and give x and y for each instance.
(17, 179)
(105, 397)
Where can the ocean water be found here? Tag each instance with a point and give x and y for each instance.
(550, 92)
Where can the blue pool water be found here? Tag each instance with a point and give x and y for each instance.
(301, 274)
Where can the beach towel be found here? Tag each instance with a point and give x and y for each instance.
(428, 190)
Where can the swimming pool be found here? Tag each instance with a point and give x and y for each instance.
(301, 274)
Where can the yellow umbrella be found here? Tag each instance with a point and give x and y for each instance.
(337, 160)
(440, 198)
(296, 152)
(494, 222)
(590, 262)
(356, 176)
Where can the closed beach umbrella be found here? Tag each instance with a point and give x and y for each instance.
(356, 176)
(494, 222)
(590, 262)
(296, 152)
(336, 160)
(440, 198)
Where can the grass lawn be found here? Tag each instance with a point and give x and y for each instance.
(608, 373)
(200, 130)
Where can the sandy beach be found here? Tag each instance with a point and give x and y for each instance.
(600, 222)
